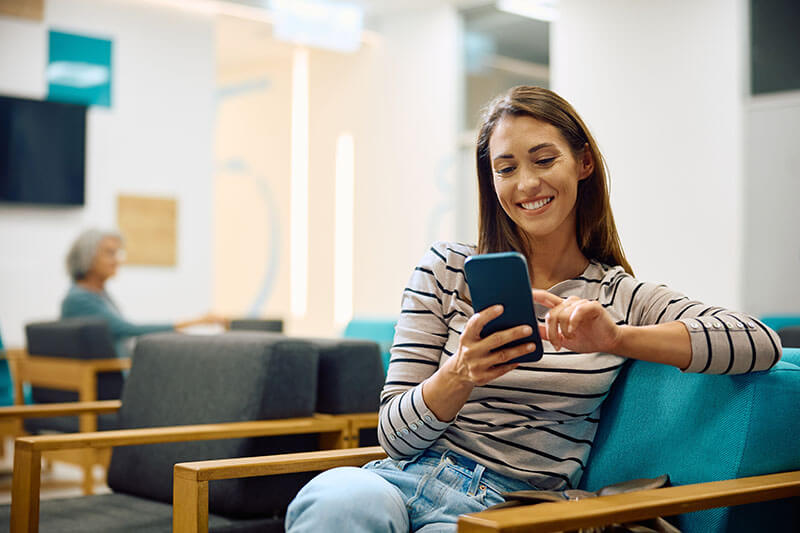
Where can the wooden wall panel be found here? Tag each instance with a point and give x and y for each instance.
(149, 226)
(29, 9)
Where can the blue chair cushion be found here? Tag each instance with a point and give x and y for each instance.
(380, 330)
(697, 428)
(777, 322)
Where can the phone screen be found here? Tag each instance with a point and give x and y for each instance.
(502, 278)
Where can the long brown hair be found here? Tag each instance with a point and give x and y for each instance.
(595, 229)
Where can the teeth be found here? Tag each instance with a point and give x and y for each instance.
(537, 204)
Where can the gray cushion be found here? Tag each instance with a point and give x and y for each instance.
(73, 338)
(790, 336)
(120, 513)
(190, 379)
(257, 324)
(67, 424)
(350, 376)
(77, 338)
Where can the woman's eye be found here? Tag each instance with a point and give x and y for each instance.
(504, 170)
(546, 161)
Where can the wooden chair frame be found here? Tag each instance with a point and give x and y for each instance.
(190, 497)
(336, 431)
(75, 375)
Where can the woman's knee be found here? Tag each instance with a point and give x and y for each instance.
(347, 496)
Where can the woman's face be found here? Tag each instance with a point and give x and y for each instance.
(107, 258)
(536, 176)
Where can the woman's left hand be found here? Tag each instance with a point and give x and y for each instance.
(577, 324)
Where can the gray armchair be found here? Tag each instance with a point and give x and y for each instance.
(189, 398)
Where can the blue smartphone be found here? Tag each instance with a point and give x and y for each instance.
(502, 278)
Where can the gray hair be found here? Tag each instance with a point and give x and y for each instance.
(82, 252)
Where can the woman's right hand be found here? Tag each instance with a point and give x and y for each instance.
(475, 362)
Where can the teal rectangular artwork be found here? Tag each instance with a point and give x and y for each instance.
(79, 69)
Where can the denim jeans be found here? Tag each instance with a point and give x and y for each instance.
(424, 494)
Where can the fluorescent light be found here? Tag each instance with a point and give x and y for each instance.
(546, 10)
(321, 23)
(343, 230)
(298, 233)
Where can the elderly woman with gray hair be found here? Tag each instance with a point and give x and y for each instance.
(91, 261)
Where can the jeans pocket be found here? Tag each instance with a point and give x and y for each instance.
(387, 464)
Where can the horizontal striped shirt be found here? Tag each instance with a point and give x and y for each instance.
(537, 422)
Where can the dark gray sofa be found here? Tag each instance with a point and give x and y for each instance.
(184, 379)
(72, 338)
(237, 376)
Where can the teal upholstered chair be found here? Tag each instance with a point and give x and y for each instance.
(699, 428)
(656, 420)
(777, 322)
(380, 330)
(6, 385)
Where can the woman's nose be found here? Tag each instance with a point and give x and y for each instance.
(529, 179)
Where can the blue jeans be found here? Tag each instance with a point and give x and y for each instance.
(424, 494)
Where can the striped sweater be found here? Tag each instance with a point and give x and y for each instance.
(537, 422)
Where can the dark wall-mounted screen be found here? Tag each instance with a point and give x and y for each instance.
(774, 46)
(42, 152)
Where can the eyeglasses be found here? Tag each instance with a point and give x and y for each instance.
(118, 253)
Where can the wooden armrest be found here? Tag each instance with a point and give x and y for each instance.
(190, 488)
(44, 410)
(227, 430)
(14, 353)
(64, 373)
(268, 465)
(639, 505)
(35, 362)
(28, 451)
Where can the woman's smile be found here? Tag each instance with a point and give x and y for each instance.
(536, 206)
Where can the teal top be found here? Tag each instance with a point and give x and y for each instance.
(80, 302)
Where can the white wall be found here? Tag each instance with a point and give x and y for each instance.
(156, 140)
(407, 182)
(661, 84)
(772, 218)
(399, 97)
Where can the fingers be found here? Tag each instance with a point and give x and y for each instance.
(477, 321)
(545, 298)
(496, 340)
(565, 320)
(558, 321)
(499, 370)
(583, 312)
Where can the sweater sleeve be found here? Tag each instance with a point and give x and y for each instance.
(86, 304)
(723, 341)
(406, 425)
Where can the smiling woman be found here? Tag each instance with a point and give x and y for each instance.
(461, 423)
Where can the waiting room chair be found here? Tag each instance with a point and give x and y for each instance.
(380, 330)
(790, 336)
(6, 383)
(727, 442)
(273, 325)
(66, 361)
(239, 387)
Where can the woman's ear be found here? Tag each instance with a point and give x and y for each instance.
(586, 163)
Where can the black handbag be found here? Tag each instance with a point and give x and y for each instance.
(652, 525)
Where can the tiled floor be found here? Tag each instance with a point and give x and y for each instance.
(58, 481)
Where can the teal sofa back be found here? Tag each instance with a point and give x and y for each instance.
(6, 387)
(380, 330)
(697, 428)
